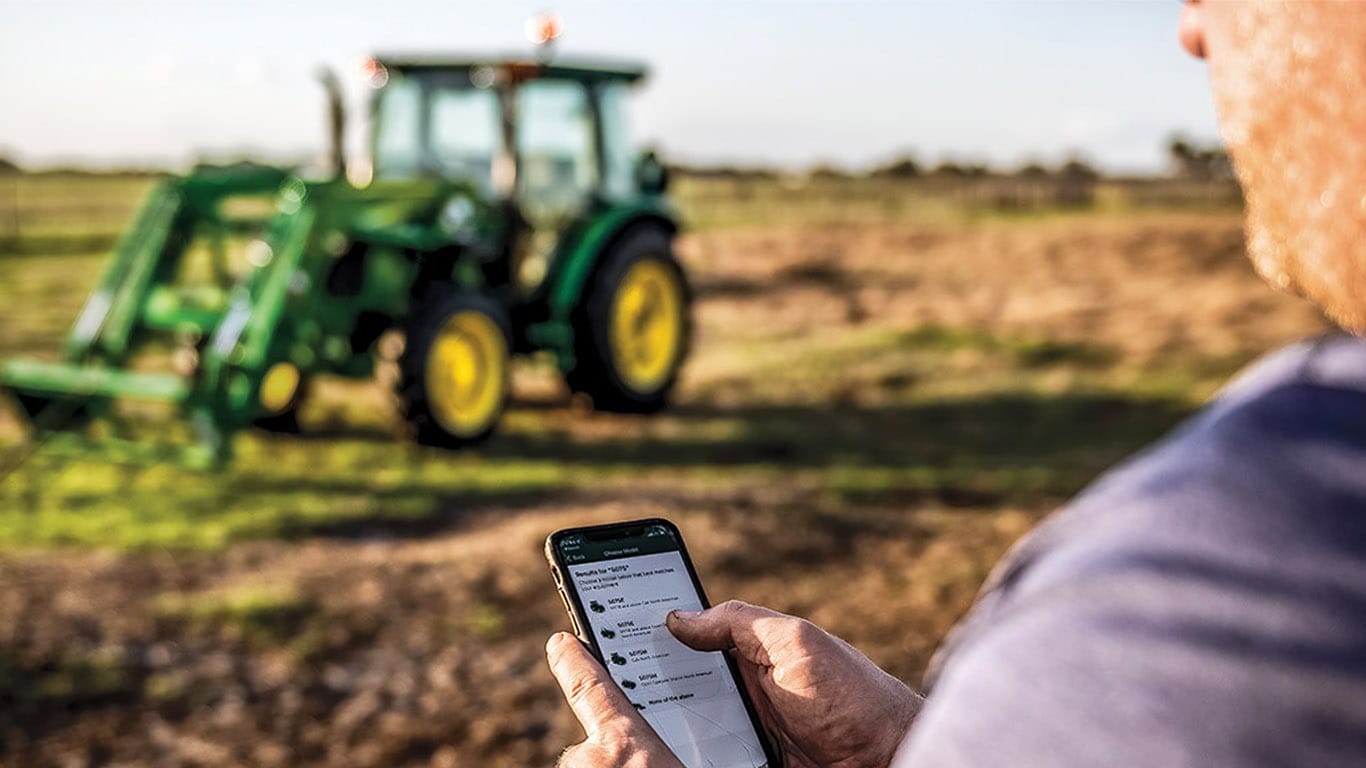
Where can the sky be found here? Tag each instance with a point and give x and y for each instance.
(788, 83)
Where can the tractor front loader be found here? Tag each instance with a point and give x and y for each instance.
(236, 345)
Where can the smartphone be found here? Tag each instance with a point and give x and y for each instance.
(618, 583)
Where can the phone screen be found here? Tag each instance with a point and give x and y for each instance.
(625, 587)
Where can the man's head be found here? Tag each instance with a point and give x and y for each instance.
(1289, 80)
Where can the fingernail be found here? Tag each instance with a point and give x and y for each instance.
(686, 615)
(555, 640)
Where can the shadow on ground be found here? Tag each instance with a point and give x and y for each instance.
(980, 452)
(986, 452)
(999, 431)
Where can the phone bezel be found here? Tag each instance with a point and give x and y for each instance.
(570, 595)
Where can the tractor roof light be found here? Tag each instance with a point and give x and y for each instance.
(375, 74)
(543, 29)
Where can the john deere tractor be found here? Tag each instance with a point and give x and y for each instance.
(506, 215)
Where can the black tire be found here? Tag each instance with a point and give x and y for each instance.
(283, 423)
(595, 371)
(417, 402)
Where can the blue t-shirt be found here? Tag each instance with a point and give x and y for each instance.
(1202, 605)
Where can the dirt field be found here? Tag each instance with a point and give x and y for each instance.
(874, 412)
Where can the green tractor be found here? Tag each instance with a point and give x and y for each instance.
(505, 215)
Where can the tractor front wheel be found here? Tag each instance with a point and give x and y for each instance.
(632, 325)
(454, 377)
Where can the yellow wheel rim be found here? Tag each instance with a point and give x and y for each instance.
(646, 334)
(279, 387)
(467, 373)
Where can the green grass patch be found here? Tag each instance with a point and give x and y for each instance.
(72, 680)
(307, 488)
(1026, 352)
(484, 621)
(261, 618)
(258, 616)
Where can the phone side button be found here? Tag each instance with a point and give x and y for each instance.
(572, 621)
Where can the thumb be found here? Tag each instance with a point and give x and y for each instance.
(732, 624)
(590, 691)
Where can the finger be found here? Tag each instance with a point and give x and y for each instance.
(591, 693)
(749, 629)
(751, 675)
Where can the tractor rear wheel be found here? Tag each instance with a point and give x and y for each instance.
(282, 392)
(454, 371)
(632, 325)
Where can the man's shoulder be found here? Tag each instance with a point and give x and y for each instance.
(1204, 603)
(1278, 458)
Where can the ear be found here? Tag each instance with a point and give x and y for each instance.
(1191, 29)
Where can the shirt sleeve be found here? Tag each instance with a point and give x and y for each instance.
(1204, 605)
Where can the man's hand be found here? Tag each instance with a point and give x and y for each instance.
(618, 737)
(825, 702)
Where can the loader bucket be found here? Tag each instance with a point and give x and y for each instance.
(60, 400)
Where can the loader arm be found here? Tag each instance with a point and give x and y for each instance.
(106, 321)
(239, 351)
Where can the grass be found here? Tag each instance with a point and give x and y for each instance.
(257, 619)
(259, 616)
(1006, 447)
(1026, 352)
(861, 414)
(70, 681)
(65, 503)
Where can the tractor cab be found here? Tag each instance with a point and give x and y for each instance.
(545, 142)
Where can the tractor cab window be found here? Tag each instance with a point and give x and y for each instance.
(398, 137)
(428, 126)
(557, 166)
(466, 136)
(618, 148)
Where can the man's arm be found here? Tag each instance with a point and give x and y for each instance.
(1203, 605)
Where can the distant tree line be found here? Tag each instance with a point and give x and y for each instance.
(902, 167)
(1189, 160)
(10, 167)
